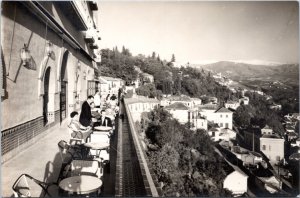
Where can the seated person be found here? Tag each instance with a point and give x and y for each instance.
(95, 113)
(79, 131)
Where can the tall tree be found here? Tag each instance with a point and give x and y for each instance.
(173, 58)
(153, 55)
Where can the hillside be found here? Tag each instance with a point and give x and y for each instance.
(241, 71)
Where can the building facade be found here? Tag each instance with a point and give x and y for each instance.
(273, 147)
(140, 104)
(179, 111)
(49, 56)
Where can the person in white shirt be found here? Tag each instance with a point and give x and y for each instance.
(97, 99)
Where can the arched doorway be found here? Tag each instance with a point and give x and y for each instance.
(46, 95)
(64, 87)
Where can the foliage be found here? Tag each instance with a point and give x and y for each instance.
(148, 90)
(118, 64)
(173, 58)
(167, 79)
(258, 113)
(184, 162)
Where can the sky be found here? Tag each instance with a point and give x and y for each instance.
(199, 31)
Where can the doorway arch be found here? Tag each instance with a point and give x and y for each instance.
(63, 87)
(46, 95)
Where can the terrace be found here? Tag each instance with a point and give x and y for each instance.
(126, 174)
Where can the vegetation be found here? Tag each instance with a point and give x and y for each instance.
(183, 161)
(167, 78)
(257, 113)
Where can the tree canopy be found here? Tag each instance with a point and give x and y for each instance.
(183, 161)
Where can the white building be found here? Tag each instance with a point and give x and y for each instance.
(221, 116)
(164, 102)
(179, 111)
(244, 100)
(196, 120)
(110, 85)
(267, 130)
(148, 77)
(236, 182)
(232, 104)
(273, 147)
(275, 106)
(196, 102)
(181, 99)
(139, 104)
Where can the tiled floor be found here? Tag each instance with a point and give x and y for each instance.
(41, 160)
(133, 185)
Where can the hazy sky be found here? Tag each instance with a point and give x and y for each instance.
(198, 31)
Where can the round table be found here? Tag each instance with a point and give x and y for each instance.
(102, 128)
(97, 145)
(83, 184)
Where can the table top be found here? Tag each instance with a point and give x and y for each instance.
(97, 145)
(103, 128)
(83, 184)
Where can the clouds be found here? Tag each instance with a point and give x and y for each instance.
(204, 30)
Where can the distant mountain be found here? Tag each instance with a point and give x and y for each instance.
(239, 71)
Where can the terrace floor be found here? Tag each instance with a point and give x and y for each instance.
(42, 161)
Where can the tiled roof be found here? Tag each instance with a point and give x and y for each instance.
(213, 129)
(111, 78)
(274, 136)
(223, 110)
(267, 127)
(177, 106)
(141, 99)
(232, 102)
(179, 98)
(102, 81)
(208, 107)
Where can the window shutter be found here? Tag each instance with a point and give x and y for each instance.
(2, 81)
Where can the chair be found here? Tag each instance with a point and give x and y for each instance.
(101, 137)
(27, 186)
(86, 167)
(75, 162)
(78, 136)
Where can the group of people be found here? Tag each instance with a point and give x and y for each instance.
(90, 109)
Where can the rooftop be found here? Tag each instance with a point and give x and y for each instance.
(208, 107)
(141, 99)
(110, 78)
(231, 102)
(223, 110)
(273, 136)
(267, 127)
(177, 106)
(179, 98)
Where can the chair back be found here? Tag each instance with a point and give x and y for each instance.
(78, 139)
(27, 186)
(63, 151)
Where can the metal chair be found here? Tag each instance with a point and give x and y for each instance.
(27, 186)
(74, 163)
(78, 136)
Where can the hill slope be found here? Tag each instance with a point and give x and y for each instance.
(240, 71)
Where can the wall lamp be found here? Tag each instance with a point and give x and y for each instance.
(49, 48)
(84, 75)
(25, 55)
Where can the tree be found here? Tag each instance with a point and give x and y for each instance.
(242, 116)
(153, 55)
(173, 58)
